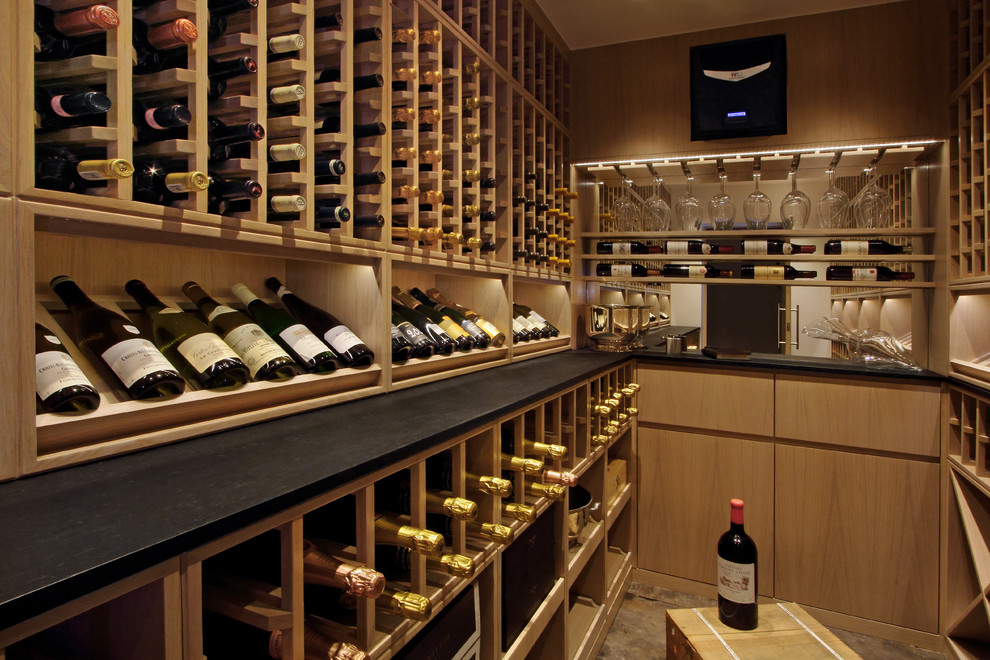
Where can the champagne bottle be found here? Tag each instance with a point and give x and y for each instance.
(440, 475)
(153, 123)
(555, 492)
(531, 447)
(62, 107)
(63, 34)
(737, 574)
(350, 350)
(775, 247)
(402, 348)
(480, 338)
(317, 646)
(59, 382)
(494, 532)
(462, 340)
(521, 512)
(332, 604)
(555, 477)
(871, 274)
(394, 494)
(111, 339)
(443, 344)
(520, 464)
(306, 348)
(496, 335)
(396, 563)
(422, 346)
(775, 273)
(863, 248)
(165, 184)
(203, 357)
(163, 46)
(265, 359)
(326, 570)
(403, 35)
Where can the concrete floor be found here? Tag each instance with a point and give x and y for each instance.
(639, 630)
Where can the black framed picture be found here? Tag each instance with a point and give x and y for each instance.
(739, 88)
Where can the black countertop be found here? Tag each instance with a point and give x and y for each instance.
(69, 532)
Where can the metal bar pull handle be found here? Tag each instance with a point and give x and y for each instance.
(782, 313)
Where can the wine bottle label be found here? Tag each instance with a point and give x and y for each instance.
(622, 247)
(303, 342)
(218, 310)
(254, 346)
(517, 326)
(684, 247)
(536, 318)
(57, 108)
(54, 371)
(436, 330)
(133, 359)
(204, 350)
(149, 119)
(854, 248)
(621, 270)
(768, 272)
(451, 328)
(488, 327)
(736, 582)
(697, 271)
(761, 247)
(341, 339)
(864, 274)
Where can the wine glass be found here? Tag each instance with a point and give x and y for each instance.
(656, 211)
(871, 207)
(721, 208)
(795, 207)
(757, 206)
(688, 206)
(627, 214)
(833, 207)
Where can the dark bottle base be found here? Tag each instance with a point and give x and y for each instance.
(738, 615)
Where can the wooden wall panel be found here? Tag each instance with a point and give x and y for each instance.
(7, 77)
(17, 405)
(861, 74)
(858, 534)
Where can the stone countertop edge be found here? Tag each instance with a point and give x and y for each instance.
(72, 531)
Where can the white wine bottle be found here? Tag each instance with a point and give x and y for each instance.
(111, 339)
(60, 383)
(265, 359)
(187, 341)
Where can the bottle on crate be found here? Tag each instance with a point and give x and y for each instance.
(866, 274)
(76, 32)
(224, 191)
(264, 357)
(111, 339)
(497, 336)
(285, 46)
(775, 273)
(59, 382)
(443, 344)
(394, 493)
(164, 184)
(220, 10)
(155, 123)
(737, 574)
(203, 357)
(350, 350)
(306, 348)
(462, 340)
(775, 247)
(60, 169)
(480, 337)
(396, 563)
(62, 107)
(163, 46)
(422, 346)
(863, 248)
(222, 137)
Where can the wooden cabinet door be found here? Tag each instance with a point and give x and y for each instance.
(685, 483)
(858, 534)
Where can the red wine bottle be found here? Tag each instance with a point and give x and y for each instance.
(870, 274)
(351, 351)
(60, 108)
(111, 339)
(862, 248)
(59, 169)
(222, 137)
(365, 35)
(625, 270)
(220, 72)
(77, 32)
(626, 247)
(224, 191)
(370, 81)
(165, 184)
(60, 383)
(695, 247)
(682, 270)
(329, 21)
(163, 46)
(775, 247)
(737, 574)
(220, 10)
(775, 273)
(154, 123)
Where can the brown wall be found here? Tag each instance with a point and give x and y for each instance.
(860, 74)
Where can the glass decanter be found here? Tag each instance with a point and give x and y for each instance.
(795, 207)
(871, 207)
(757, 206)
(689, 215)
(721, 209)
(833, 207)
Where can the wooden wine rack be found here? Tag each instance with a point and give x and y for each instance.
(103, 237)
(180, 600)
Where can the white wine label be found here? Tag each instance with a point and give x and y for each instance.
(517, 326)
(621, 270)
(854, 248)
(865, 274)
(768, 272)
(736, 582)
(754, 247)
(341, 339)
(677, 247)
(286, 43)
(254, 346)
(528, 324)
(452, 328)
(149, 119)
(218, 310)
(533, 316)
(133, 359)
(488, 327)
(54, 371)
(204, 350)
(697, 271)
(622, 247)
(57, 106)
(303, 342)
(412, 332)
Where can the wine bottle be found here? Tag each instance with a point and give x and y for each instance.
(737, 574)
(220, 10)
(330, 211)
(693, 271)
(286, 94)
(330, 20)
(535, 318)
(496, 335)
(60, 169)
(775, 247)
(360, 83)
(317, 646)
(203, 357)
(403, 35)
(326, 570)
(443, 344)
(402, 348)
(429, 37)
(153, 123)
(775, 273)
(407, 604)
(223, 191)
(440, 475)
(394, 494)
(871, 274)
(350, 350)
(521, 512)
(533, 330)
(396, 563)
(531, 447)
(862, 248)
(221, 137)
(369, 179)
(286, 206)
(366, 35)
(479, 336)
(471, 139)
(59, 382)
(64, 34)
(556, 477)
(164, 184)
(422, 346)
(62, 107)
(111, 339)
(462, 340)
(521, 464)
(163, 46)
(285, 46)
(265, 359)
(695, 247)
(221, 72)
(307, 349)
(494, 532)
(429, 157)
(555, 492)
(401, 155)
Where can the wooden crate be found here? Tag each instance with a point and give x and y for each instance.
(784, 631)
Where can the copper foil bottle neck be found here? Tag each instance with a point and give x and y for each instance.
(91, 20)
(179, 32)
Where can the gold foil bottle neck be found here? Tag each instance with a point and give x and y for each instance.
(460, 508)
(410, 605)
(98, 18)
(365, 582)
(526, 465)
(611, 429)
(498, 533)
(556, 452)
(495, 486)
(423, 541)
(632, 412)
(459, 565)
(522, 512)
(628, 391)
(554, 492)
(599, 440)
(623, 417)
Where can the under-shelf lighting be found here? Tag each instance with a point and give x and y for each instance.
(752, 154)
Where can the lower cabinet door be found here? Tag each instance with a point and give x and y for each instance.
(685, 483)
(858, 534)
